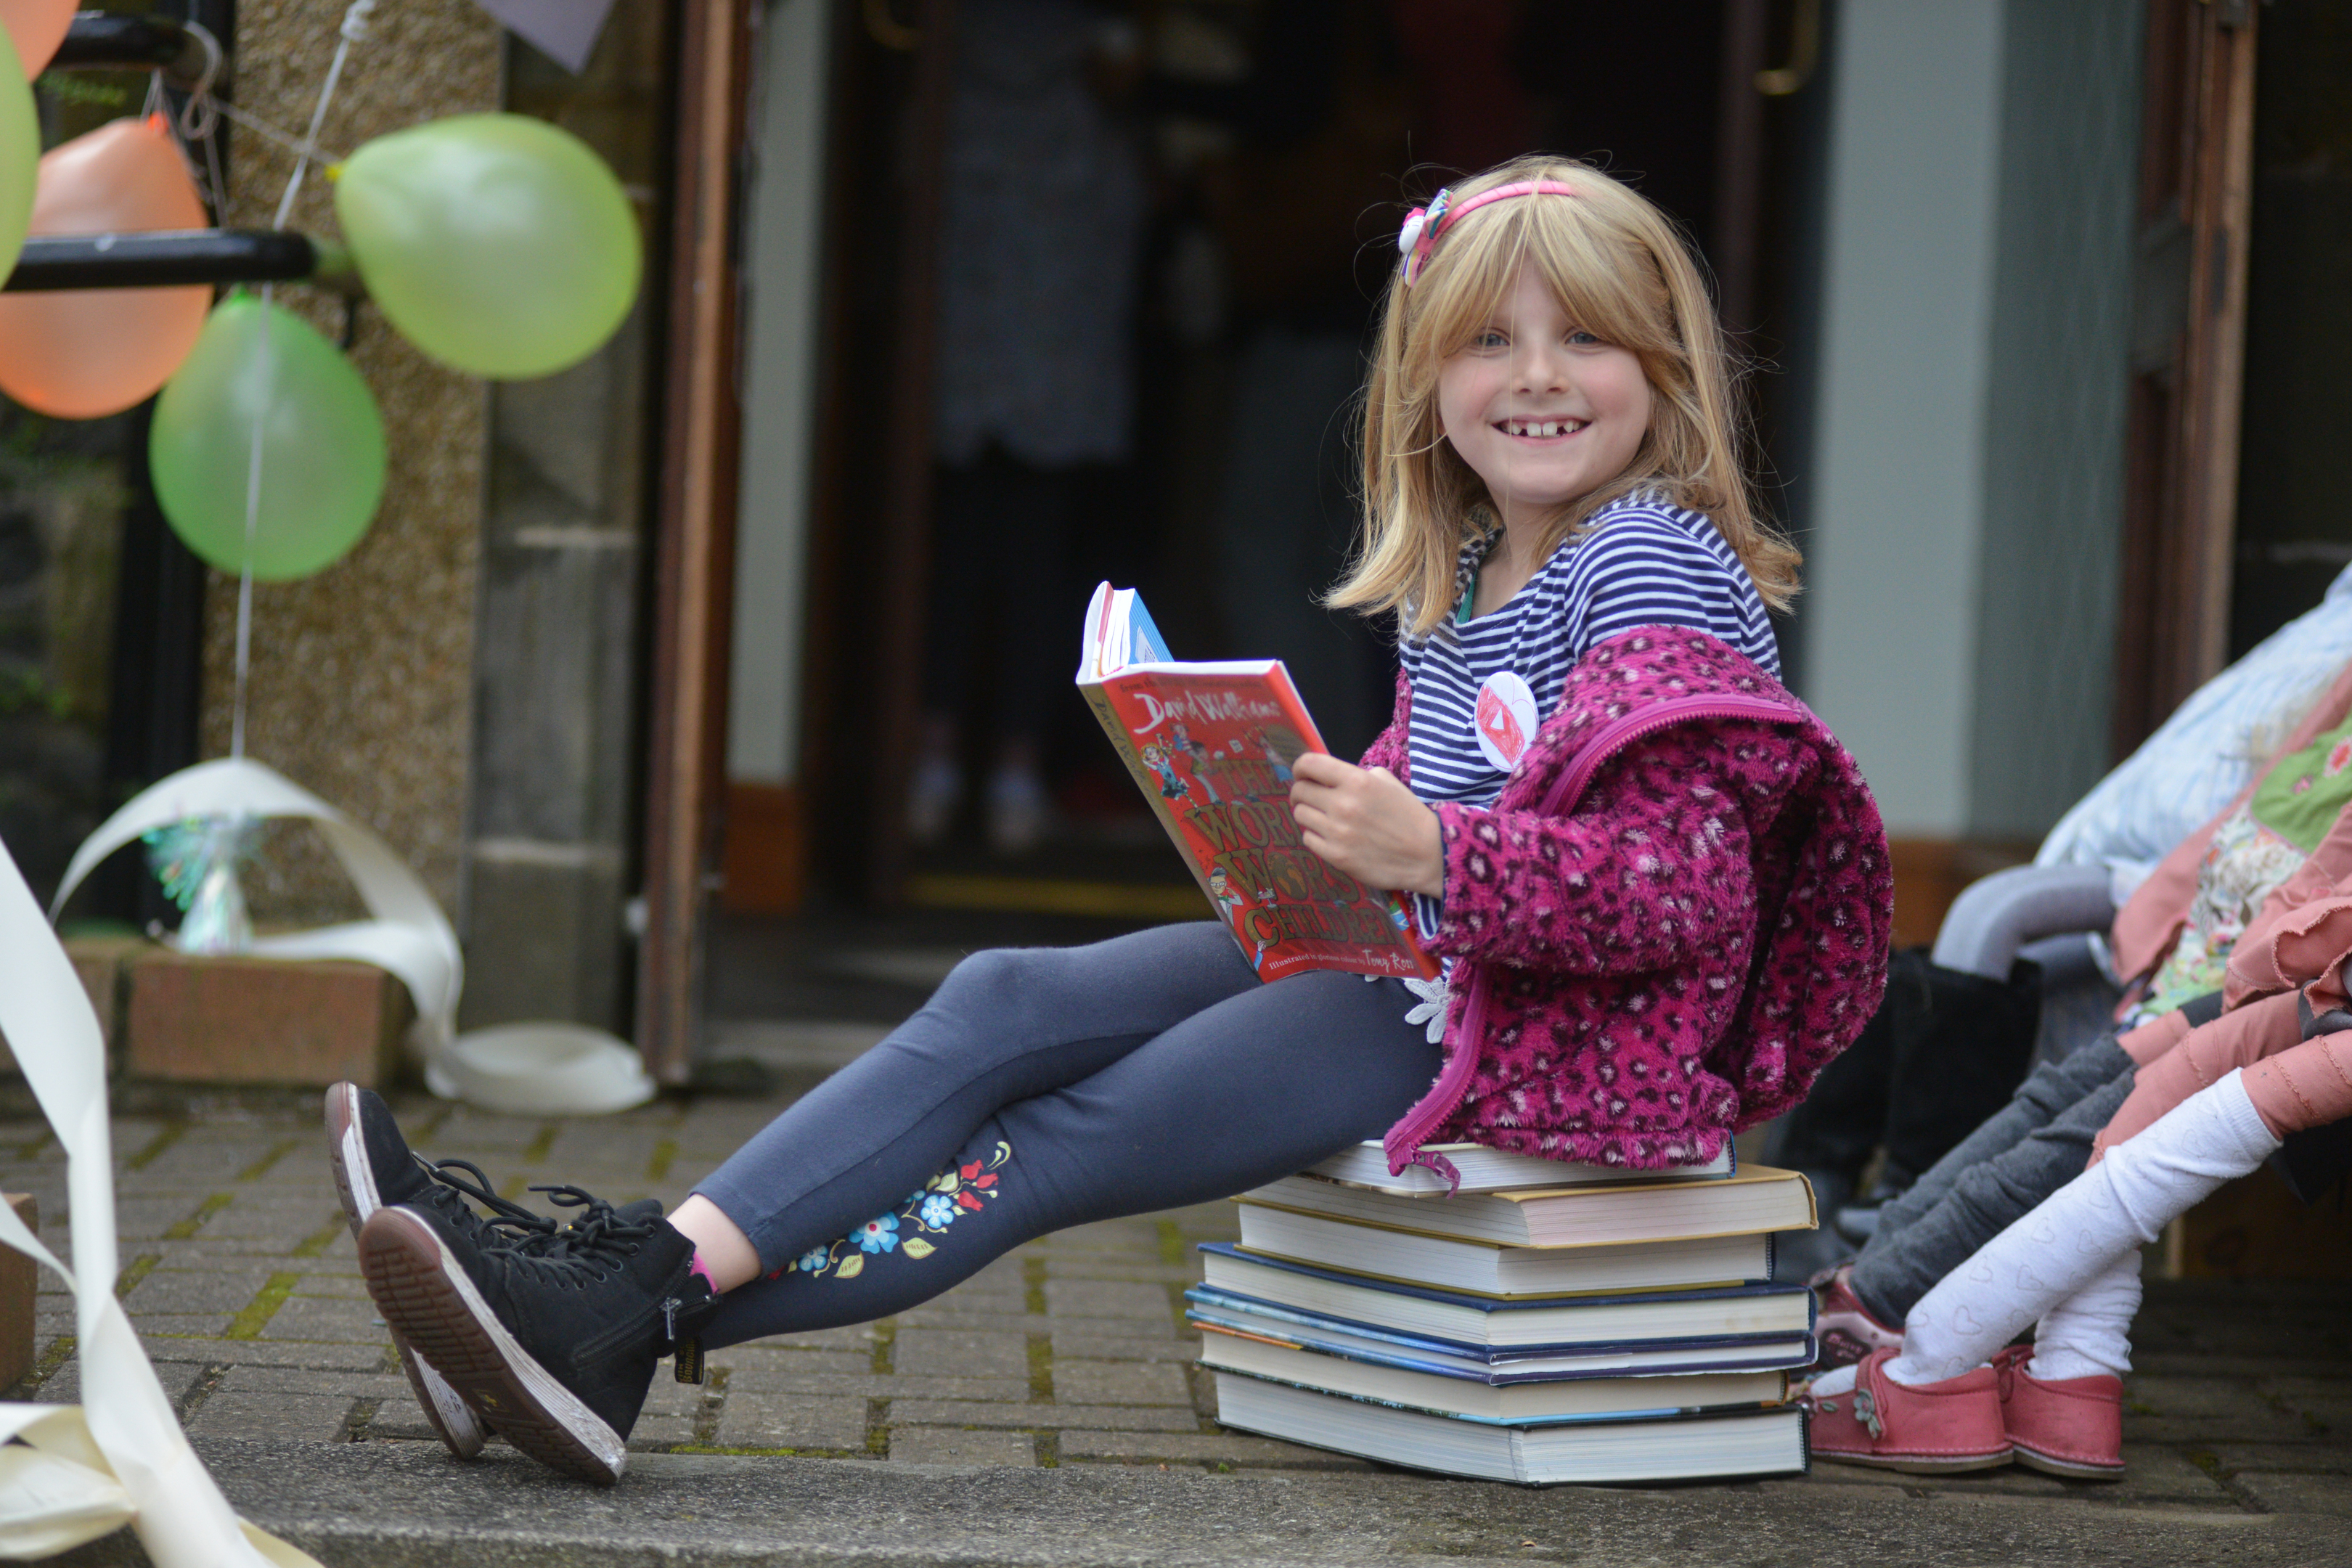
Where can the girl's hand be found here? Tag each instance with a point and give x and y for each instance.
(1366, 823)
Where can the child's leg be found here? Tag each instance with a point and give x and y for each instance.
(2016, 1159)
(2214, 1136)
(2089, 1332)
(2048, 1092)
(2237, 1039)
(2051, 1091)
(1005, 1026)
(1253, 1088)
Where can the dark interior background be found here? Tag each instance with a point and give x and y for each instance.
(1284, 140)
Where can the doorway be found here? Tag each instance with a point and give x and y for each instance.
(1270, 148)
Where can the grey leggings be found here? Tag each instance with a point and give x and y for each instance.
(2034, 1145)
(2023, 1153)
(1042, 1088)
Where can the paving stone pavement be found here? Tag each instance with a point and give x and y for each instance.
(239, 1274)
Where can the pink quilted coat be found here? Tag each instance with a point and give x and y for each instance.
(1671, 918)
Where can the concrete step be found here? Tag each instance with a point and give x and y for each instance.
(407, 1505)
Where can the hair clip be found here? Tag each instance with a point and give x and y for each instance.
(1423, 224)
(1420, 232)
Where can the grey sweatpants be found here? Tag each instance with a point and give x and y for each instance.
(2023, 1153)
(1042, 1088)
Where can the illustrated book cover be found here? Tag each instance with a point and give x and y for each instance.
(1212, 745)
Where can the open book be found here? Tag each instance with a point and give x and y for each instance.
(1210, 746)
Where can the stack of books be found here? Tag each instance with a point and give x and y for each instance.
(1548, 1322)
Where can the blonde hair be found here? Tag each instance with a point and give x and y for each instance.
(1620, 271)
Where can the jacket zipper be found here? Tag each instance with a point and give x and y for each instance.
(1403, 1144)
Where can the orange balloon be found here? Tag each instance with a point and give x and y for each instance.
(37, 27)
(79, 353)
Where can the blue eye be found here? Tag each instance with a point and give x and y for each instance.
(1582, 339)
(1489, 338)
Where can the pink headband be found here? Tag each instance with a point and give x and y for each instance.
(1423, 224)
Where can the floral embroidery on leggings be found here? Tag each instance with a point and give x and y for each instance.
(925, 1212)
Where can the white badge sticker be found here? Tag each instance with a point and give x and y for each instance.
(1505, 719)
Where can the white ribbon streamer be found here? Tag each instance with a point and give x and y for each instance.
(119, 1456)
(545, 1069)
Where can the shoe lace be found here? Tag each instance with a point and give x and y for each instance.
(575, 1253)
(505, 1213)
(598, 1236)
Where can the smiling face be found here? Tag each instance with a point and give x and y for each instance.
(1541, 410)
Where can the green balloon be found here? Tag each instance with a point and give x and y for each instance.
(322, 444)
(497, 242)
(20, 153)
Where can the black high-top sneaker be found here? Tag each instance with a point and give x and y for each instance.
(553, 1337)
(374, 1166)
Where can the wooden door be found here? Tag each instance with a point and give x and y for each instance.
(694, 565)
(2187, 357)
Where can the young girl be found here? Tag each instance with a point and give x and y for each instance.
(1660, 886)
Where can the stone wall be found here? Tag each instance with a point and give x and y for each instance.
(559, 661)
(361, 675)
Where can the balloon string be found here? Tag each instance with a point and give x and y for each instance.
(201, 112)
(252, 528)
(219, 181)
(265, 129)
(355, 28)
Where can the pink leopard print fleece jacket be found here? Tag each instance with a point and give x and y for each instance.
(1677, 951)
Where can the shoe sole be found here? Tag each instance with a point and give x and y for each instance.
(2072, 1469)
(460, 1429)
(422, 1288)
(1920, 1466)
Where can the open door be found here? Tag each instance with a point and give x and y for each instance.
(1282, 140)
(2188, 329)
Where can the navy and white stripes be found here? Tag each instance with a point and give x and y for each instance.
(1639, 562)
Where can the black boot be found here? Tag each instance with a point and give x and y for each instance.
(552, 1338)
(373, 1167)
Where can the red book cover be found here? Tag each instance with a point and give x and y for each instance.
(1210, 746)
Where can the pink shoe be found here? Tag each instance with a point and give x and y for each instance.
(1927, 1429)
(2065, 1427)
(1846, 1331)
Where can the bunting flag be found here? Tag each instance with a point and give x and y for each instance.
(565, 30)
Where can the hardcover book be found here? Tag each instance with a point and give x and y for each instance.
(1549, 1320)
(1499, 1405)
(1479, 1268)
(1714, 1332)
(1211, 745)
(1594, 1214)
(1485, 1169)
(1753, 1443)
